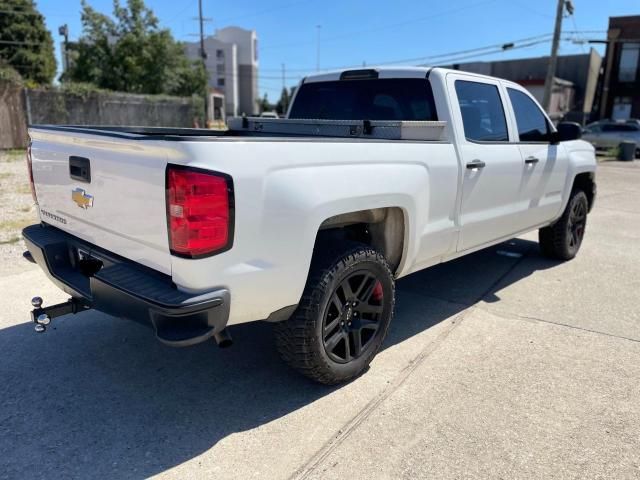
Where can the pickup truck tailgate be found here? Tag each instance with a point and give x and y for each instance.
(109, 191)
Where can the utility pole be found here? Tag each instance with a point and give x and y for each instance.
(284, 77)
(203, 54)
(553, 60)
(318, 27)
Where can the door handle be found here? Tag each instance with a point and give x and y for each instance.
(476, 164)
(531, 160)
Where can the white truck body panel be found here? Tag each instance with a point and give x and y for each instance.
(285, 188)
(128, 216)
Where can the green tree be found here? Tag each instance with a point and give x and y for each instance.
(283, 103)
(130, 53)
(25, 43)
(264, 105)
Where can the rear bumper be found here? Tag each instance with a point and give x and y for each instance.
(123, 288)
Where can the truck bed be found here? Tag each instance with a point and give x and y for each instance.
(271, 127)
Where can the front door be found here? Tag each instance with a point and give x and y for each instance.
(492, 165)
(545, 165)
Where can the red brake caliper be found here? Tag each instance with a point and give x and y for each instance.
(377, 293)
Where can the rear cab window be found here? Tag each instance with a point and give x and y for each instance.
(368, 99)
(483, 116)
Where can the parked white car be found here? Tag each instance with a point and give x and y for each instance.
(306, 222)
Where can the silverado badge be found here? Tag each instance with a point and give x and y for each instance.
(82, 199)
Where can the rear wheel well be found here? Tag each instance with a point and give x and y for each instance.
(586, 183)
(381, 228)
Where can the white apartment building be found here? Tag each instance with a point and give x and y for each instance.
(232, 65)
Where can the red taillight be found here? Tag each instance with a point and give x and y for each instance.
(199, 211)
(30, 168)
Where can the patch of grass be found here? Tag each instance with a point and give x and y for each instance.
(5, 175)
(14, 154)
(16, 224)
(612, 152)
(23, 188)
(26, 209)
(10, 241)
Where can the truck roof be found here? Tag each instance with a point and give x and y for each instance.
(385, 72)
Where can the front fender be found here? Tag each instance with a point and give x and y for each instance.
(582, 159)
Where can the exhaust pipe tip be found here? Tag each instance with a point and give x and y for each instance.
(223, 338)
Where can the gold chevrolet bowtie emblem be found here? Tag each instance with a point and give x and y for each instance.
(82, 199)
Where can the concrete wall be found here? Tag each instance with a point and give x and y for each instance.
(19, 107)
(13, 123)
(55, 107)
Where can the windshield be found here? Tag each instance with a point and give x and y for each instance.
(380, 99)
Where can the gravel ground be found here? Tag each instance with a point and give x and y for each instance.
(18, 209)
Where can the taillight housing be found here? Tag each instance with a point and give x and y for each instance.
(200, 211)
(30, 168)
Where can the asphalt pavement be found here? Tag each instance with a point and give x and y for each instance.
(501, 364)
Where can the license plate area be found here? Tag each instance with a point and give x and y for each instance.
(88, 264)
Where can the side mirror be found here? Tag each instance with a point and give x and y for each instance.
(567, 131)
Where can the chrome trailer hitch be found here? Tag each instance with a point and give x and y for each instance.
(42, 316)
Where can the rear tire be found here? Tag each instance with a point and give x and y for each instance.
(342, 318)
(562, 240)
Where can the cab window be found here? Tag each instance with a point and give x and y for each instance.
(532, 124)
(482, 112)
(379, 99)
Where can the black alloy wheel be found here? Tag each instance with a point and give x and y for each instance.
(576, 224)
(352, 317)
(343, 315)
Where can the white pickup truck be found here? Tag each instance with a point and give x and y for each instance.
(305, 221)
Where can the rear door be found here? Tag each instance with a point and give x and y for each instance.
(492, 164)
(108, 190)
(545, 165)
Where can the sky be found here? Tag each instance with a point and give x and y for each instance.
(353, 33)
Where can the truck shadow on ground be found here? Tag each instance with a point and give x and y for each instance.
(98, 396)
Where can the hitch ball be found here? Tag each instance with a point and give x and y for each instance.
(36, 302)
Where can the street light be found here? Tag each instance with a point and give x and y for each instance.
(63, 30)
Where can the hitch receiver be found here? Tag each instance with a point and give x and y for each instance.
(42, 316)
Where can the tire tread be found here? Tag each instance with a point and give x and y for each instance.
(296, 338)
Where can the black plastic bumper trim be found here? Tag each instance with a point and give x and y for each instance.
(126, 289)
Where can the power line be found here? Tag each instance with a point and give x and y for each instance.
(498, 48)
(384, 27)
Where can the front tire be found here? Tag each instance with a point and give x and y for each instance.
(342, 318)
(562, 240)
